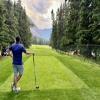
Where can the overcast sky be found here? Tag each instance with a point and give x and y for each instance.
(40, 11)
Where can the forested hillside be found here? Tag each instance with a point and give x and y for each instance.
(76, 23)
(13, 22)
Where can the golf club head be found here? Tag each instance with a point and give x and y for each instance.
(37, 87)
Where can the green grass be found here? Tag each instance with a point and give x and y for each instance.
(60, 77)
(6, 68)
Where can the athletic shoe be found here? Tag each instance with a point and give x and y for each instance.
(17, 90)
(13, 87)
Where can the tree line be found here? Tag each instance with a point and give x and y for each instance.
(76, 22)
(39, 41)
(13, 22)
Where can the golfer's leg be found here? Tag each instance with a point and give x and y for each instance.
(19, 77)
(15, 81)
(20, 70)
(15, 75)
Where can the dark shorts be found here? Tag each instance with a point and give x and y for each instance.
(18, 69)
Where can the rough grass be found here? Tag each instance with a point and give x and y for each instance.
(60, 77)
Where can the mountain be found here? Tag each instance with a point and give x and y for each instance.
(41, 33)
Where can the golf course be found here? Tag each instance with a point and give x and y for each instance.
(59, 76)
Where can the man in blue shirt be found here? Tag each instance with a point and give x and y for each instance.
(17, 49)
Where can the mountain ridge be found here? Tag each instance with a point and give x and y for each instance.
(41, 33)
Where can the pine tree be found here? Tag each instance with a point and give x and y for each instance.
(54, 31)
(60, 21)
(95, 25)
(85, 20)
(24, 29)
(13, 22)
(3, 27)
(23, 24)
(73, 20)
(85, 36)
(10, 20)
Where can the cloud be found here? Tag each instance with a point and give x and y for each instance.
(40, 11)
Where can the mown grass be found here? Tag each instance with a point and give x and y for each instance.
(6, 68)
(89, 72)
(60, 77)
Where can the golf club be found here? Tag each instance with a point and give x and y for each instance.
(36, 85)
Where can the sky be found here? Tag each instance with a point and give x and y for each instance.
(39, 11)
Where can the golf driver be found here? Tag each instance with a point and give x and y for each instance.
(36, 85)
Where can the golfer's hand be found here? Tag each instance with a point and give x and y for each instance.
(33, 54)
(29, 53)
(11, 56)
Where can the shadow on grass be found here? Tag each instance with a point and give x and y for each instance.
(56, 94)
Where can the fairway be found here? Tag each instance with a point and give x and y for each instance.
(60, 77)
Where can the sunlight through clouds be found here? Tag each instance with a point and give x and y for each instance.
(39, 11)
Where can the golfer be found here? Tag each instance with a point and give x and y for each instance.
(17, 49)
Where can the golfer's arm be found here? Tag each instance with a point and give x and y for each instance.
(9, 53)
(28, 53)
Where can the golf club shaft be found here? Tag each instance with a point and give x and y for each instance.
(34, 71)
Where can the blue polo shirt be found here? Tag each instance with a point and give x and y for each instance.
(17, 50)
